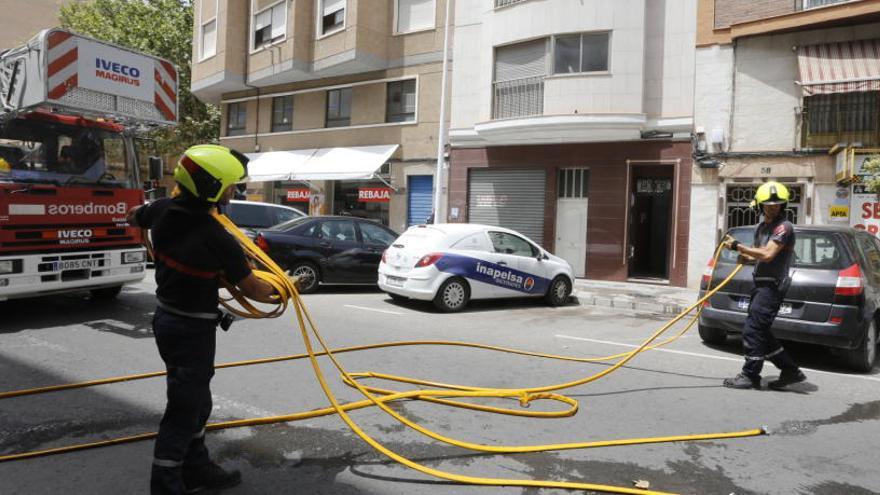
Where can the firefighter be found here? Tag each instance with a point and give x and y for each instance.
(191, 251)
(773, 250)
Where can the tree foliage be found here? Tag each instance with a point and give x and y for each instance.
(157, 27)
(872, 168)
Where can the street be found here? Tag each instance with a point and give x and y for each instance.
(823, 433)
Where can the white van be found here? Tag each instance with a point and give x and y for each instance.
(450, 264)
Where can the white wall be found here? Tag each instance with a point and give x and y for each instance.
(702, 237)
(670, 40)
(712, 93)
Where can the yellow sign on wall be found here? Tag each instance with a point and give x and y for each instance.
(838, 212)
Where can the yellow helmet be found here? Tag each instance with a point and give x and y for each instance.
(771, 193)
(206, 170)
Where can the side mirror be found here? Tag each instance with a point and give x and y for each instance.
(157, 168)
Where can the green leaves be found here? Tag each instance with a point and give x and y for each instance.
(872, 167)
(157, 27)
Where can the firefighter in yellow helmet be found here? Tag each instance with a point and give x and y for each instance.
(192, 251)
(773, 250)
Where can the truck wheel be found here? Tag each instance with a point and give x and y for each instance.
(712, 335)
(558, 292)
(862, 357)
(308, 276)
(106, 293)
(452, 295)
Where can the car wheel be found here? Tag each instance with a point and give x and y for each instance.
(560, 289)
(862, 357)
(712, 335)
(308, 276)
(106, 293)
(452, 296)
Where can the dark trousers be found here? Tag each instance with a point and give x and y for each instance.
(187, 346)
(759, 343)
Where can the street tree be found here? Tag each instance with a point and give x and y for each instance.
(871, 167)
(162, 28)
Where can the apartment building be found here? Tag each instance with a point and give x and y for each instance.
(29, 18)
(789, 90)
(337, 102)
(571, 122)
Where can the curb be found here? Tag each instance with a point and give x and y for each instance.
(659, 304)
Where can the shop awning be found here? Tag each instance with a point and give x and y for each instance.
(342, 163)
(839, 67)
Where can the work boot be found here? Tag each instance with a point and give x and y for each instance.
(787, 378)
(209, 476)
(742, 381)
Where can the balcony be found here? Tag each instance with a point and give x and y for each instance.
(851, 118)
(812, 4)
(518, 98)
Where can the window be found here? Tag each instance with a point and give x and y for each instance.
(414, 15)
(338, 230)
(332, 15)
(510, 244)
(270, 24)
(842, 117)
(810, 4)
(576, 53)
(400, 103)
(282, 113)
(236, 115)
(339, 107)
(518, 89)
(374, 234)
(209, 39)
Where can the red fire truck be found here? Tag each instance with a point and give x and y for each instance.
(71, 111)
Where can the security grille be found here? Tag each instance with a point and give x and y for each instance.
(518, 98)
(572, 183)
(739, 212)
(518, 88)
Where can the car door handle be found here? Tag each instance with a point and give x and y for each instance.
(502, 263)
(324, 244)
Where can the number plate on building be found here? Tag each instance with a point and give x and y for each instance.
(76, 265)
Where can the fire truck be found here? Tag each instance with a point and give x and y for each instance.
(73, 111)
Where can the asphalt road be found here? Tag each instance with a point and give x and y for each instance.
(824, 432)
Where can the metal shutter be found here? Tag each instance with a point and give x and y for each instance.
(521, 60)
(419, 199)
(512, 198)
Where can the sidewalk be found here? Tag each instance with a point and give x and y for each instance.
(648, 298)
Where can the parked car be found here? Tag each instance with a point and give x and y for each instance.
(252, 216)
(327, 249)
(451, 264)
(832, 301)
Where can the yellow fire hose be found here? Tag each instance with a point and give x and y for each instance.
(441, 393)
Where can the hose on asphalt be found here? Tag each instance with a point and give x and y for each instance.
(440, 393)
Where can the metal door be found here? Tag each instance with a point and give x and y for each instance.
(511, 198)
(419, 199)
(571, 218)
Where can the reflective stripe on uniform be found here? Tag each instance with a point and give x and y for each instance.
(167, 463)
(173, 310)
(765, 356)
(180, 267)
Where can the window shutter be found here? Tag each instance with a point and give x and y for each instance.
(413, 15)
(262, 20)
(279, 21)
(521, 60)
(209, 39)
(331, 6)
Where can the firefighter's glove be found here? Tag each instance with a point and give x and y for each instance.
(730, 243)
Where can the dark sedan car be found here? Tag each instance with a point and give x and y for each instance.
(328, 249)
(833, 299)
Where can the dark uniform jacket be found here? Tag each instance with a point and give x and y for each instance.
(781, 231)
(191, 250)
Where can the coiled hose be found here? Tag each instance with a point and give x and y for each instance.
(441, 393)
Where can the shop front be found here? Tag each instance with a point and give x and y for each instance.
(614, 211)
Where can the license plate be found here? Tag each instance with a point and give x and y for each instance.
(743, 303)
(395, 281)
(76, 265)
(785, 309)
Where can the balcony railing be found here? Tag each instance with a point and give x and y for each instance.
(831, 119)
(518, 98)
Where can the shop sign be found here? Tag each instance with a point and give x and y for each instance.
(865, 209)
(374, 194)
(299, 194)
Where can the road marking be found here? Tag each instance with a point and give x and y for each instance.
(710, 356)
(374, 309)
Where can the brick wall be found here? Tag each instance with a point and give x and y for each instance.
(729, 12)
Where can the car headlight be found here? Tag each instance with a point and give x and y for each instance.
(134, 257)
(7, 266)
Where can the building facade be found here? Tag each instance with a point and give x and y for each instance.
(571, 123)
(337, 102)
(785, 89)
(31, 17)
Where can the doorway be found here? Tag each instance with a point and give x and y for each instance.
(571, 217)
(650, 219)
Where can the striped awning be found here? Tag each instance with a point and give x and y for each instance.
(839, 67)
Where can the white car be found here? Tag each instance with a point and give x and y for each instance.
(453, 263)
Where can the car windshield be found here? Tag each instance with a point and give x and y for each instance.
(284, 227)
(38, 151)
(812, 249)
